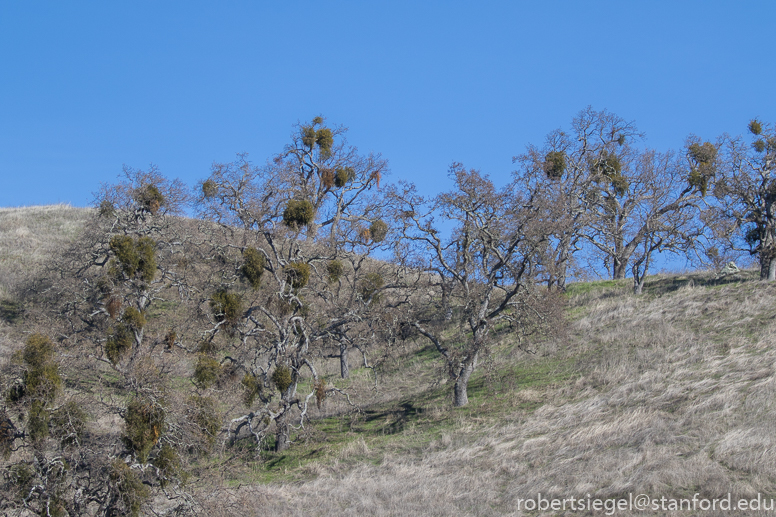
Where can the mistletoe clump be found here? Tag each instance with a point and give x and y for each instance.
(555, 164)
(298, 213)
(253, 266)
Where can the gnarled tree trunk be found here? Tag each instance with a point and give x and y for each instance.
(460, 390)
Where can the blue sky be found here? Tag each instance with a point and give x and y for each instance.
(88, 86)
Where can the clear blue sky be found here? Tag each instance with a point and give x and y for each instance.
(88, 86)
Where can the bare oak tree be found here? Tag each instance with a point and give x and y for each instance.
(744, 212)
(296, 232)
(568, 170)
(481, 276)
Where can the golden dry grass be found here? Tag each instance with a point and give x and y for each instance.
(674, 395)
(670, 394)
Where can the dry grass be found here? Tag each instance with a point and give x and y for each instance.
(28, 235)
(667, 394)
(675, 395)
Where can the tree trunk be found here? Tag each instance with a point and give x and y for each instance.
(767, 268)
(460, 391)
(281, 437)
(344, 366)
(618, 269)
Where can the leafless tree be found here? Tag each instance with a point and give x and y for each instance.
(561, 171)
(650, 206)
(742, 211)
(300, 279)
(481, 276)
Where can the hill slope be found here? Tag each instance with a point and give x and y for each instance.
(668, 394)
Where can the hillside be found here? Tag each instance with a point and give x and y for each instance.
(668, 394)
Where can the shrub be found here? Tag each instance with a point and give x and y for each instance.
(298, 213)
(131, 491)
(698, 180)
(106, 209)
(705, 153)
(119, 343)
(343, 176)
(297, 274)
(555, 164)
(38, 421)
(334, 270)
(43, 382)
(252, 388)
(133, 318)
(378, 230)
(253, 266)
(755, 127)
(41, 379)
(149, 197)
(168, 461)
(619, 184)
(209, 189)
(227, 307)
(282, 378)
(759, 145)
(369, 285)
(135, 255)
(38, 351)
(113, 306)
(206, 416)
(143, 426)
(308, 136)
(207, 347)
(327, 178)
(207, 371)
(325, 139)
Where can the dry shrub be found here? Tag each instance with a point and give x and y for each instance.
(378, 230)
(369, 285)
(327, 178)
(298, 213)
(297, 274)
(143, 426)
(252, 388)
(253, 266)
(320, 392)
(136, 256)
(132, 493)
(282, 378)
(149, 197)
(206, 372)
(334, 270)
(227, 307)
(119, 343)
(113, 306)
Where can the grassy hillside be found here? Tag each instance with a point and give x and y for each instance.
(667, 394)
